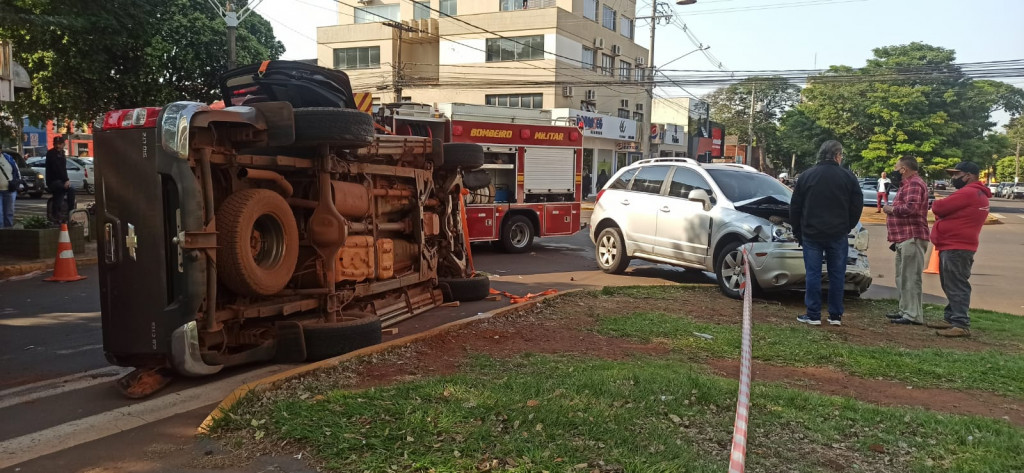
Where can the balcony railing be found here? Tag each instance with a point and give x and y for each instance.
(511, 5)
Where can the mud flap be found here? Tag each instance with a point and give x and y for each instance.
(291, 343)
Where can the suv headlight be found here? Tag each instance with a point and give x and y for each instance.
(783, 232)
(860, 242)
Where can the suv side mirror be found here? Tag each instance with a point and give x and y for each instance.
(700, 195)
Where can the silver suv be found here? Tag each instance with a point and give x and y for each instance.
(680, 212)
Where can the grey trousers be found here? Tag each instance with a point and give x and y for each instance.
(909, 264)
(954, 274)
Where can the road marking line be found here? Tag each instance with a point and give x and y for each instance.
(77, 432)
(997, 215)
(74, 350)
(53, 387)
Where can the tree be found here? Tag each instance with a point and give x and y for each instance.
(1015, 135)
(909, 100)
(772, 96)
(798, 134)
(87, 57)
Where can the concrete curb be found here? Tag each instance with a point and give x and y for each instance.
(271, 382)
(15, 270)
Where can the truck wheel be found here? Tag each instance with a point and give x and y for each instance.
(341, 127)
(259, 242)
(517, 234)
(467, 156)
(465, 289)
(611, 251)
(356, 330)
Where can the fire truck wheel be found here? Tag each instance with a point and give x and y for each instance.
(259, 242)
(465, 289)
(467, 156)
(517, 234)
(340, 127)
(356, 330)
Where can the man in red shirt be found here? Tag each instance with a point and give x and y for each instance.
(907, 227)
(958, 221)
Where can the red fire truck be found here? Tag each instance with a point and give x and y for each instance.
(530, 184)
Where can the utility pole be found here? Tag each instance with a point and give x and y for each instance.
(231, 20)
(652, 71)
(397, 77)
(750, 127)
(1016, 170)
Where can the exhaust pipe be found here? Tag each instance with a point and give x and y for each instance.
(261, 175)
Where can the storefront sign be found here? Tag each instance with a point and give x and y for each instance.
(514, 134)
(627, 146)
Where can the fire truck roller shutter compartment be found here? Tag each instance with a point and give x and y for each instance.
(549, 170)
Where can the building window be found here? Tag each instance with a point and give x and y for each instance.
(626, 27)
(519, 48)
(376, 14)
(638, 117)
(510, 5)
(607, 65)
(590, 9)
(625, 71)
(608, 17)
(421, 10)
(516, 100)
(588, 58)
(448, 8)
(624, 113)
(357, 58)
(639, 72)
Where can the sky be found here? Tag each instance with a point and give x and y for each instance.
(765, 34)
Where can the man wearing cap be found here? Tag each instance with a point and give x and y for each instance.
(958, 221)
(906, 224)
(57, 179)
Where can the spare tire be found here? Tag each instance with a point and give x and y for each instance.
(465, 289)
(340, 127)
(259, 242)
(467, 156)
(356, 330)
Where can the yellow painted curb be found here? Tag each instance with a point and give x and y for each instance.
(275, 380)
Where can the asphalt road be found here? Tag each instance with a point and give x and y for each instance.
(62, 413)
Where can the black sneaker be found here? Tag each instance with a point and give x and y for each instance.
(902, 321)
(832, 320)
(894, 315)
(804, 319)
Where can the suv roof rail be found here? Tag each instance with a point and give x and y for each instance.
(667, 160)
(741, 166)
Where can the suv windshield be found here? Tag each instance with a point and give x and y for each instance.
(740, 186)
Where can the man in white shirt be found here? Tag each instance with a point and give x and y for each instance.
(883, 192)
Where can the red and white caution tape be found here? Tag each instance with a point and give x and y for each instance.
(738, 457)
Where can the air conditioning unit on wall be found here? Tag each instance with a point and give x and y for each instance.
(567, 91)
(598, 43)
(591, 94)
(616, 49)
(640, 61)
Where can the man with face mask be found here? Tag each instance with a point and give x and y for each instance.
(907, 227)
(959, 218)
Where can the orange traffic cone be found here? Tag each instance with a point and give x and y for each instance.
(65, 269)
(933, 263)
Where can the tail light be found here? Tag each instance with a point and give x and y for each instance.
(131, 118)
(598, 197)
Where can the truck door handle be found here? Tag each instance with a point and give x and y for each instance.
(666, 209)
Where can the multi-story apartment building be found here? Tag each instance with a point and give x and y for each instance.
(576, 58)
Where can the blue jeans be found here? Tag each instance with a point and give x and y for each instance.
(7, 208)
(834, 253)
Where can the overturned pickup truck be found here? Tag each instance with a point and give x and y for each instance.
(281, 227)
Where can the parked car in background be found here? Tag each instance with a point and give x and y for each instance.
(680, 212)
(870, 190)
(76, 172)
(1001, 189)
(34, 183)
(89, 178)
(994, 187)
(1014, 191)
(940, 185)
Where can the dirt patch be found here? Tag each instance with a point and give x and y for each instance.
(884, 393)
(501, 338)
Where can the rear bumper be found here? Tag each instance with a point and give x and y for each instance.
(185, 354)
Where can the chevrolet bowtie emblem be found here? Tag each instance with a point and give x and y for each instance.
(131, 241)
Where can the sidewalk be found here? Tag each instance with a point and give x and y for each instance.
(12, 266)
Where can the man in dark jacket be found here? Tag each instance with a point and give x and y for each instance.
(57, 180)
(826, 205)
(602, 179)
(958, 221)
